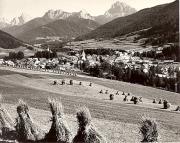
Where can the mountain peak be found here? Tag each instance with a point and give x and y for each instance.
(119, 9)
(56, 14)
(23, 18)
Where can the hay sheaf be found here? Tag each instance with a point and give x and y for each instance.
(59, 131)
(7, 130)
(149, 129)
(87, 133)
(26, 129)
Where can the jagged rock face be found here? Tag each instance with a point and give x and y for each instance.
(119, 9)
(20, 20)
(59, 14)
(4, 22)
(83, 14)
(56, 14)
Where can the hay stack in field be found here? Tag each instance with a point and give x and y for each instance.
(166, 104)
(106, 92)
(154, 101)
(149, 130)
(59, 131)
(71, 82)
(101, 91)
(7, 130)
(135, 100)
(55, 82)
(178, 108)
(63, 82)
(160, 101)
(26, 129)
(90, 84)
(125, 98)
(132, 98)
(140, 99)
(86, 133)
(111, 96)
(117, 93)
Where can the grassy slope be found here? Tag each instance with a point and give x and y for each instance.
(8, 42)
(114, 131)
(100, 109)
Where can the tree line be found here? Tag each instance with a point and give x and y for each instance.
(15, 56)
(168, 53)
(132, 75)
(45, 54)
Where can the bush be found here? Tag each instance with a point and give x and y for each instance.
(59, 131)
(149, 130)
(87, 133)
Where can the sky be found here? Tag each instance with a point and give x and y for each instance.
(36, 8)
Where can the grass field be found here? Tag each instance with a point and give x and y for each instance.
(118, 121)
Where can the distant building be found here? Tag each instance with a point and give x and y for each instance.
(83, 56)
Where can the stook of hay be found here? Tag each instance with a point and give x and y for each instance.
(90, 84)
(125, 98)
(111, 96)
(135, 100)
(87, 133)
(132, 99)
(160, 101)
(101, 92)
(178, 108)
(117, 93)
(140, 99)
(7, 130)
(154, 101)
(59, 131)
(166, 104)
(63, 82)
(55, 82)
(149, 130)
(26, 129)
(71, 82)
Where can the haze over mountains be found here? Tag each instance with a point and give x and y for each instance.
(77, 23)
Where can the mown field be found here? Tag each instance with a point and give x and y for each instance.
(125, 116)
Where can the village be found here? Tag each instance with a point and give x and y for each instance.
(82, 61)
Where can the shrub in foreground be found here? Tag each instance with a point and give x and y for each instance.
(59, 131)
(149, 130)
(86, 133)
